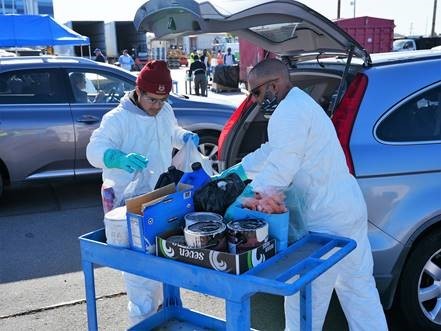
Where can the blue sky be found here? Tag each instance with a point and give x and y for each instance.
(410, 16)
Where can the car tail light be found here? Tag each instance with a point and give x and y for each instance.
(231, 123)
(346, 112)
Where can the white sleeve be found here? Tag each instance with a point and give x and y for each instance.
(254, 162)
(108, 135)
(288, 134)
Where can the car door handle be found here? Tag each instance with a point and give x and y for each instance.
(89, 119)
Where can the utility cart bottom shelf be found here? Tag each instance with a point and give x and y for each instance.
(179, 319)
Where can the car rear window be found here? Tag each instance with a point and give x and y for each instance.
(31, 87)
(416, 120)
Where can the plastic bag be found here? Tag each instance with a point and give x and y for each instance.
(139, 184)
(188, 155)
(217, 195)
(296, 206)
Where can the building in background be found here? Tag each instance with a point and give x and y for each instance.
(29, 7)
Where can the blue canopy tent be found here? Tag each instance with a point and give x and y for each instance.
(37, 30)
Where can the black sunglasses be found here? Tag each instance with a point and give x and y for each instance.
(256, 91)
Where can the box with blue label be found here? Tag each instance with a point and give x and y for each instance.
(156, 212)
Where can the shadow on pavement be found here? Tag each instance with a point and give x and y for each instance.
(40, 225)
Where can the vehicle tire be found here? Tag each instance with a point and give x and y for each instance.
(420, 285)
(1, 185)
(208, 147)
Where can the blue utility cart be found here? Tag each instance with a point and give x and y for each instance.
(307, 259)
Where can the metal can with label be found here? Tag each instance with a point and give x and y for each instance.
(246, 234)
(177, 239)
(210, 235)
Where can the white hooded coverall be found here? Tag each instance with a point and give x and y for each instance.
(129, 129)
(303, 154)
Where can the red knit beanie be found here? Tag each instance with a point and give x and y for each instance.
(155, 78)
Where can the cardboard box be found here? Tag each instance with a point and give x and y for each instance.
(207, 258)
(157, 212)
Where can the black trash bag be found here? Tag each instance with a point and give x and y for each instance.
(217, 195)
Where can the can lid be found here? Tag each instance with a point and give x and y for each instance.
(249, 224)
(117, 214)
(203, 216)
(206, 228)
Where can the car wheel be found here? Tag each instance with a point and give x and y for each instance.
(1, 185)
(208, 147)
(420, 286)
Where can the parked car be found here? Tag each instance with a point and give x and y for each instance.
(44, 128)
(386, 111)
(415, 43)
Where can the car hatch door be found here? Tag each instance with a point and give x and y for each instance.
(287, 28)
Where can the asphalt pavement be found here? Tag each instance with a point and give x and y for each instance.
(41, 280)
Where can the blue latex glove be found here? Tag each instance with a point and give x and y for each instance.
(114, 158)
(192, 136)
(236, 169)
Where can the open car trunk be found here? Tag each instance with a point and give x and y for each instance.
(287, 28)
(250, 131)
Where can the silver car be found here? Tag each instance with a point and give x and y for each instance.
(387, 112)
(49, 107)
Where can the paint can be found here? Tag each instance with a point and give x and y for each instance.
(177, 239)
(115, 224)
(201, 216)
(246, 234)
(210, 235)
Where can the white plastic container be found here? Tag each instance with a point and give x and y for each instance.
(115, 224)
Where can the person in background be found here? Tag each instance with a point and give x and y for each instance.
(200, 78)
(229, 59)
(140, 132)
(78, 82)
(206, 59)
(99, 56)
(220, 58)
(192, 54)
(126, 61)
(304, 159)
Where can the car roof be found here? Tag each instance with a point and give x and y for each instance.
(43, 59)
(286, 27)
(379, 59)
(7, 63)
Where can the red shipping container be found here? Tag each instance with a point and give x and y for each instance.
(374, 34)
(250, 54)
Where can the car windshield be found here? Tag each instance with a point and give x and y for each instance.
(399, 43)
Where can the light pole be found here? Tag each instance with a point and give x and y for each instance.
(338, 8)
(353, 4)
(433, 19)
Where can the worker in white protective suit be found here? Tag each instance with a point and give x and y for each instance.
(139, 133)
(303, 156)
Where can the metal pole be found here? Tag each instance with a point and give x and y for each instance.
(354, 6)
(338, 8)
(433, 34)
